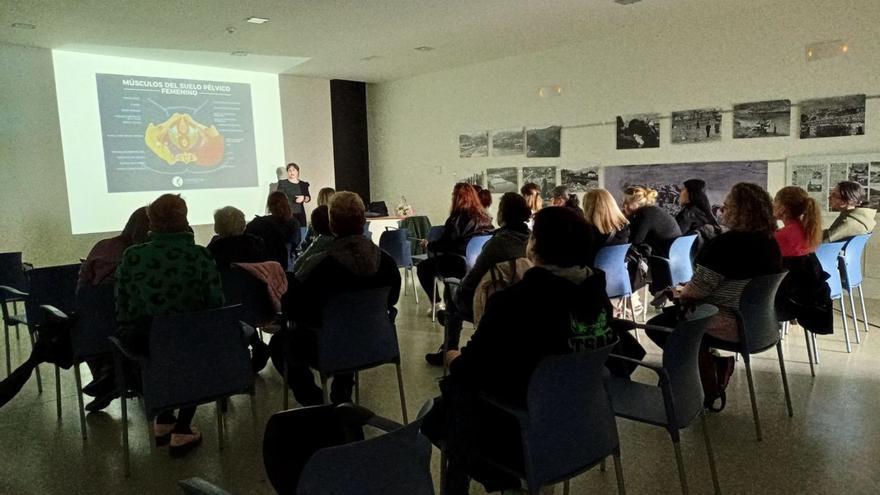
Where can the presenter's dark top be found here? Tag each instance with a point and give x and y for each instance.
(292, 190)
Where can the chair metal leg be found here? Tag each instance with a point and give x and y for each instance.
(843, 318)
(709, 452)
(126, 460)
(8, 356)
(325, 390)
(852, 304)
(37, 369)
(753, 399)
(645, 306)
(785, 326)
(784, 379)
(402, 395)
(864, 311)
(632, 308)
(79, 400)
(286, 394)
(809, 352)
(815, 348)
(412, 279)
(58, 391)
(680, 462)
(565, 487)
(357, 388)
(218, 407)
(618, 471)
(405, 290)
(602, 466)
(434, 302)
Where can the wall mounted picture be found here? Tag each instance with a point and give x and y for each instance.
(580, 179)
(832, 117)
(545, 142)
(839, 172)
(696, 126)
(874, 189)
(638, 131)
(819, 174)
(508, 142)
(502, 180)
(858, 172)
(813, 178)
(544, 177)
(668, 179)
(473, 145)
(762, 119)
(476, 179)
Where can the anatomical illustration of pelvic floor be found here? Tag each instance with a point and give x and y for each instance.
(181, 139)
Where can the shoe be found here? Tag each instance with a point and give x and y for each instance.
(162, 433)
(436, 308)
(441, 317)
(259, 355)
(659, 300)
(99, 386)
(182, 443)
(435, 358)
(102, 401)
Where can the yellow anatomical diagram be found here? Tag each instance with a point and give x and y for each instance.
(181, 139)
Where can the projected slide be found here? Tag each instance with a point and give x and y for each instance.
(162, 133)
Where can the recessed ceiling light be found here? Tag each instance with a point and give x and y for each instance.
(423, 48)
(257, 20)
(23, 25)
(239, 53)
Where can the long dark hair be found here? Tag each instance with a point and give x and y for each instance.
(137, 227)
(696, 189)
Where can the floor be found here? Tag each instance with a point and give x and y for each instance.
(831, 445)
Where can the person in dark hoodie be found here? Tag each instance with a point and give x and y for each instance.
(695, 216)
(279, 230)
(559, 307)
(351, 263)
(507, 243)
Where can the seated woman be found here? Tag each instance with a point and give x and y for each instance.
(507, 243)
(532, 194)
(324, 196)
(695, 216)
(854, 219)
(803, 295)
(562, 196)
(652, 231)
(231, 244)
(318, 247)
(467, 218)
(602, 212)
(169, 274)
(727, 262)
(559, 305)
(279, 230)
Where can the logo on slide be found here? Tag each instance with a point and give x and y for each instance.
(182, 139)
(177, 181)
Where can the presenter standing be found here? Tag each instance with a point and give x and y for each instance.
(297, 192)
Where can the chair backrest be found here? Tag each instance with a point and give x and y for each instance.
(54, 286)
(571, 423)
(852, 261)
(396, 244)
(436, 232)
(95, 321)
(418, 226)
(396, 463)
(474, 248)
(612, 261)
(681, 267)
(11, 272)
(242, 288)
(757, 313)
(356, 332)
(680, 359)
(195, 358)
(828, 254)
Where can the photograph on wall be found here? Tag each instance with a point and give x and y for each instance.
(544, 142)
(696, 126)
(473, 145)
(580, 179)
(858, 172)
(668, 179)
(638, 131)
(813, 178)
(839, 172)
(502, 180)
(874, 190)
(544, 177)
(833, 117)
(475, 179)
(762, 119)
(508, 142)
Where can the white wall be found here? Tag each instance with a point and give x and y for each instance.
(33, 198)
(713, 58)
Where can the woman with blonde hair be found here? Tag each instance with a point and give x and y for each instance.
(324, 196)
(652, 229)
(602, 212)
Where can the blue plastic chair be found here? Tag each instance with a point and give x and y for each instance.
(474, 248)
(568, 425)
(677, 400)
(851, 277)
(434, 234)
(828, 254)
(396, 243)
(612, 261)
(194, 358)
(679, 263)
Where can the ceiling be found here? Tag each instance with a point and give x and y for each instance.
(324, 38)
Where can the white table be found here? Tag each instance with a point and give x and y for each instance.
(378, 225)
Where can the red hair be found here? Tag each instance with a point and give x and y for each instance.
(466, 202)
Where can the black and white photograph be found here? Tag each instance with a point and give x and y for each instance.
(874, 190)
(833, 117)
(838, 172)
(813, 178)
(638, 131)
(696, 126)
(476, 179)
(473, 145)
(668, 179)
(508, 142)
(544, 143)
(858, 172)
(762, 119)
(502, 180)
(579, 179)
(544, 177)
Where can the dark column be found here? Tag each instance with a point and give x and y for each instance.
(351, 156)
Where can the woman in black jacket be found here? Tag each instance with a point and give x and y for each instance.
(296, 191)
(652, 229)
(695, 216)
(467, 218)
